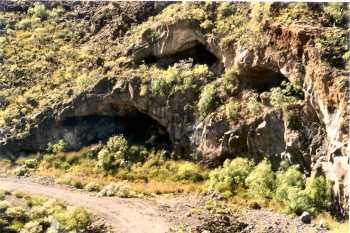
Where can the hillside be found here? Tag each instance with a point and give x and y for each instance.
(165, 92)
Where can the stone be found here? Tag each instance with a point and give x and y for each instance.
(323, 224)
(305, 217)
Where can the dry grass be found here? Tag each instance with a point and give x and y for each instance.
(141, 179)
(333, 225)
(158, 187)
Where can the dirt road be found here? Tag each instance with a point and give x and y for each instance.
(123, 215)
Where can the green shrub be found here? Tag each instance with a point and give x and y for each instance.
(336, 13)
(113, 154)
(117, 144)
(17, 213)
(231, 176)
(207, 100)
(4, 205)
(231, 109)
(106, 160)
(319, 191)
(21, 171)
(74, 218)
(92, 187)
(291, 178)
(298, 201)
(298, 194)
(39, 11)
(296, 13)
(37, 212)
(58, 147)
(120, 189)
(24, 24)
(33, 227)
(285, 95)
(137, 153)
(31, 163)
(189, 171)
(261, 181)
(254, 106)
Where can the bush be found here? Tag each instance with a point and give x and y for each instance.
(74, 218)
(4, 205)
(120, 189)
(298, 195)
(21, 171)
(254, 106)
(39, 11)
(189, 171)
(319, 191)
(113, 154)
(207, 99)
(261, 181)
(231, 176)
(60, 146)
(31, 163)
(285, 95)
(231, 109)
(92, 187)
(24, 24)
(17, 213)
(278, 99)
(32, 227)
(298, 201)
(336, 13)
(292, 179)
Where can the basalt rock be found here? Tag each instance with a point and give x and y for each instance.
(313, 133)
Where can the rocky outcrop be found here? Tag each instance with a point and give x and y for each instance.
(313, 134)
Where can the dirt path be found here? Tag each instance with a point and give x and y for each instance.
(124, 215)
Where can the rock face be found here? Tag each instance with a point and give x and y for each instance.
(313, 133)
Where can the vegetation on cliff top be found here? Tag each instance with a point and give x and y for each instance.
(44, 56)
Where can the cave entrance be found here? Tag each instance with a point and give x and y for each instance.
(261, 80)
(136, 127)
(198, 54)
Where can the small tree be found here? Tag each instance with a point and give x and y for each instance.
(319, 191)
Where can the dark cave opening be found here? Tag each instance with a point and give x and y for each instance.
(136, 127)
(261, 80)
(197, 54)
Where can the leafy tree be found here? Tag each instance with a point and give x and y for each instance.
(261, 181)
(231, 176)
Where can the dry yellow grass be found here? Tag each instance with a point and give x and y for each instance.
(332, 224)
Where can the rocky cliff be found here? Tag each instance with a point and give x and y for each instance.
(260, 87)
